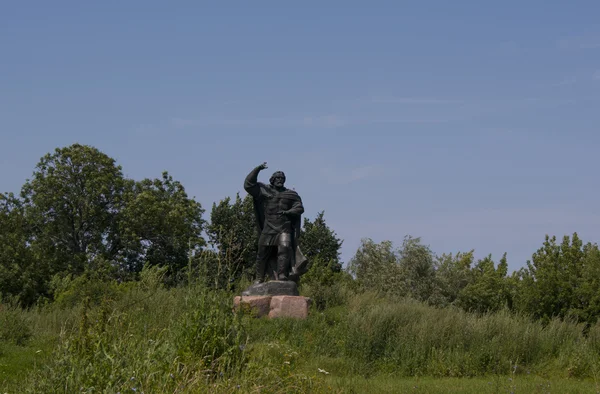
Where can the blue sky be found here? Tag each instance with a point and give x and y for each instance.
(469, 125)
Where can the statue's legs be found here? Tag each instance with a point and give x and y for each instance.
(262, 258)
(284, 256)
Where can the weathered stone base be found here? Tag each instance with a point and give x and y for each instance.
(260, 305)
(272, 288)
(275, 306)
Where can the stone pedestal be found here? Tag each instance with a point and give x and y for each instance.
(272, 288)
(275, 306)
(289, 306)
(260, 305)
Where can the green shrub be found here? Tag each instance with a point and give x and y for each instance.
(212, 333)
(326, 287)
(71, 290)
(15, 327)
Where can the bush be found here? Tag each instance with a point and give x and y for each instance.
(15, 327)
(148, 340)
(212, 333)
(325, 286)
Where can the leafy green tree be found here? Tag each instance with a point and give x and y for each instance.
(487, 287)
(158, 225)
(375, 267)
(417, 269)
(325, 281)
(21, 275)
(71, 204)
(560, 280)
(452, 275)
(320, 244)
(587, 293)
(232, 231)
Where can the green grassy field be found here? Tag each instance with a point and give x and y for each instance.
(188, 340)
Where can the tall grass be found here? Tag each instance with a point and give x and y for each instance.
(374, 335)
(146, 338)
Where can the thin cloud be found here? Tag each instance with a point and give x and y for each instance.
(331, 121)
(377, 110)
(414, 100)
(506, 48)
(567, 81)
(344, 177)
(324, 121)
(587, 41)
(596, 76)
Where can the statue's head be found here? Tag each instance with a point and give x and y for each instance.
(277, 179)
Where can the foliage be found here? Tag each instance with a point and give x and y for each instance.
(71, 202)
(326, 286)
(78, 210)
(562, 280)
(233, 232)
(14, 325)
(95, 284)
(417, 271)
(159, 225)
(453, 274)
(375, 266)
(146, 340)
(21, 274)
(409, 271)
(487, 290)
(153, 338)
(212, 334)
(320, 244)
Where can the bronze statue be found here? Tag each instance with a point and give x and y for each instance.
(278, 215)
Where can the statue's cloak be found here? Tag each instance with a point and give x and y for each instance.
(299, 262)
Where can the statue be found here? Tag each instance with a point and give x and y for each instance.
(278, 215)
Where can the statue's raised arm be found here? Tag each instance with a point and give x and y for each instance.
(251, 184)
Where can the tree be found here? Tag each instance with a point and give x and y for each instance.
(159, 225)
(375, 267)
(21, 274)
(71, 204)
(487, 288)
(587, 293)
(233, 232)
(561, 280)
(324, 282)
(319, 243)
(417, 269)
(452, 275)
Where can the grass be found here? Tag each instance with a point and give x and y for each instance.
(186, 340)
(16, 362)
(480, 385)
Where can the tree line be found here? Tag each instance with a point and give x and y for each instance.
(80, 219)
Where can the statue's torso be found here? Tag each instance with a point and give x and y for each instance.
(274, 202)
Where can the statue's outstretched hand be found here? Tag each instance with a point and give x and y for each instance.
(263, 166)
